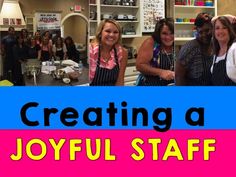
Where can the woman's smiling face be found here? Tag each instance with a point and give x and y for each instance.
(167, 38)
(110, 34)
(221, 32)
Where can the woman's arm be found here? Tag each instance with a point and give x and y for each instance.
(39, 54)
(123, 64)
(54, 50)
(50, 51)
(65, 52)
(145, 55)
(92, 62)
(180, 74)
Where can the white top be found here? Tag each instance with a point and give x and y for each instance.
(54, 49)
(230, 63)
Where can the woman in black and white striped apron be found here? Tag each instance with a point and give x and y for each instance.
(108, 58)
(104, 76)
(223, 39)
(156, 56)
(163, 60)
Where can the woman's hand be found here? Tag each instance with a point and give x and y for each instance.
(167, 75)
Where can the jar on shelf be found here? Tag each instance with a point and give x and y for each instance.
(209, 3)
(199, 3)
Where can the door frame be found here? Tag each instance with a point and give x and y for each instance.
(87, 30)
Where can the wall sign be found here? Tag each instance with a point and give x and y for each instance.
(5, 21)
(12, 21)
(152, 10)
(48, 21)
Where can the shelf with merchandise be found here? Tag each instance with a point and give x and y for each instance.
(191, 6)
(184, 23)
(93, 17)
(195, 3)
(185, 14)
(128, 16)
(119, 6)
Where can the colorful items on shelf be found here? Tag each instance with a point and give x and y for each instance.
(186, 33)
(186, 20)
(209, 3)
(194, 2)
(199, 3)
(179, 20)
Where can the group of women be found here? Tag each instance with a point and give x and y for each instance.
(210, 59)
(16, 49)
(48, 47)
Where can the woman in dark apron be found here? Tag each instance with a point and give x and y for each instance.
(223, 39)
(72, 53)
(107, 57)
(104, 76)
(219, 74)
(33, 49)
(156, 56)
(20, 56)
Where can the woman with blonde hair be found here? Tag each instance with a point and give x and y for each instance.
(108, 58)
(45, 54)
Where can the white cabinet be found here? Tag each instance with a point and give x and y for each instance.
(185, 15)
(127, 14)
(30, 24)
(131, 75)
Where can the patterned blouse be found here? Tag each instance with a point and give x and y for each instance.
(93, 57)
(196, 63)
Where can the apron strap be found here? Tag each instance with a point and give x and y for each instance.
(99, 56)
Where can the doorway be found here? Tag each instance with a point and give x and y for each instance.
(76, 26)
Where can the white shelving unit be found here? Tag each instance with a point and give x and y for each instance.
(100, 9)
(184, 30)
(94, 9)
(30, 24)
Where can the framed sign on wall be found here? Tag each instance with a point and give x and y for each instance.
(48, 21)
(152, 11)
